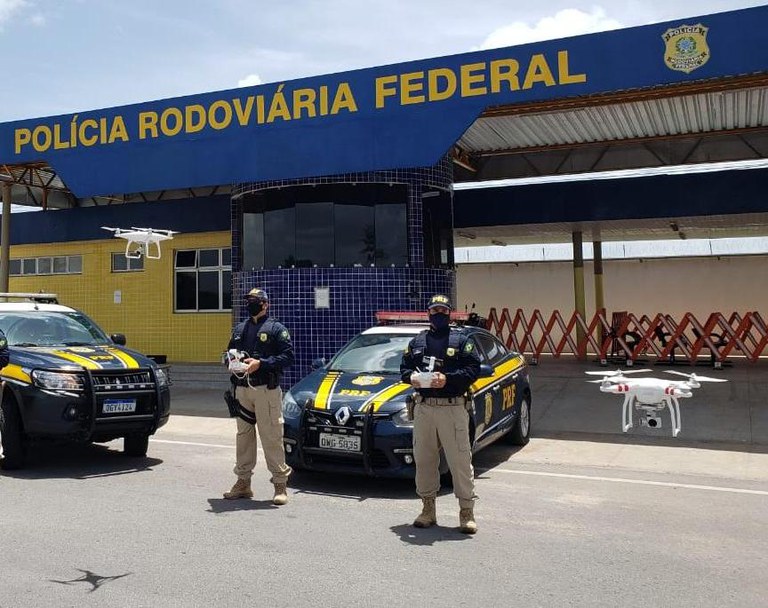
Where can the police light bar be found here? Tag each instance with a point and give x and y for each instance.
(391, 316)
(43, 298)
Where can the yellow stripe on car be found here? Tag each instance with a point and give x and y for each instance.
(374, 403)
(498, 372)
(83, 361)
(16, 372)
(127, 360)
(325, 389)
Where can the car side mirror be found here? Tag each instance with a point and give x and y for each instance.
(318, 363)
(118, 339)
(486, 371)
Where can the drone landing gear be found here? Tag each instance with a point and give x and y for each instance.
(670, 403)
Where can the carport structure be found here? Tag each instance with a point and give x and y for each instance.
(677, 93)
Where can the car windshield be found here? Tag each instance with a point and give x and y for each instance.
(380, 353)
(50, 328)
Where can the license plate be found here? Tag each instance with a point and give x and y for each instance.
(344, 443)
(119, 406)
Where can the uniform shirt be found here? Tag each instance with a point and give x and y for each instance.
(455, 357)
(266, 340)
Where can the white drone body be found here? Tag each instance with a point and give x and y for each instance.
(141, 241)
(650, 395)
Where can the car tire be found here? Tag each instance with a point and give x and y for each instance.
(12, 432)
(136, 445)
(521, 432)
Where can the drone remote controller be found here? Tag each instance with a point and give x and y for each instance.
(235, 361)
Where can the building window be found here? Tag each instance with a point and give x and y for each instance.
(203, 280)
(340, 225)
(120, 263)
(65, 264)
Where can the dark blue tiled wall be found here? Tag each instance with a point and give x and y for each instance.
(356, 294)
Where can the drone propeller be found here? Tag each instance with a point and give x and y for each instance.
(695, 377)
(598, 381)
(617, 372)
(110, 229)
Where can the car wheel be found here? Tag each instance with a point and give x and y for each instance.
(12, 436)
(136, 444)
(521, 432)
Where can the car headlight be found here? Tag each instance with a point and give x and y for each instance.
(291, 409)
(162, 377)
(58, 381)
(401, 418)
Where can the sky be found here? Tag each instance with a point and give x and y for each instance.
(66, 56)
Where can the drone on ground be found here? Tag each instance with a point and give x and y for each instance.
(140, 241)
(650, 395)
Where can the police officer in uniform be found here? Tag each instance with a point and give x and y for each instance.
(269, 351)
(441, 416)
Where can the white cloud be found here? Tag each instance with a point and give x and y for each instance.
(9, 7)
(567, 22)
(249, 81)
(37, 19)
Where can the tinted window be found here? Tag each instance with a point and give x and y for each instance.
(209, 257)
(493, 350)
(355, 236)
(391, 235)
(186, 259)
(339, 224)
(280, 237)
(438, 230)
(186, 291)
(314, 234)
(208, 290)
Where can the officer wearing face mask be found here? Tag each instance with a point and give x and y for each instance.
(441, 416)
(257, 389)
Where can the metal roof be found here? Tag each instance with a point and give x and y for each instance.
(709, 112)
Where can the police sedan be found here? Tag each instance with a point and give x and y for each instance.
(350, 415)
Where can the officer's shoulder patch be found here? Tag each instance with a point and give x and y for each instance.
(468, 347)
(3, 342)
(284, 335)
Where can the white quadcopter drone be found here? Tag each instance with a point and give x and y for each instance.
(140, 241)
(650, 395)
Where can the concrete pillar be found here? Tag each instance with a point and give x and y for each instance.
(578, 290)
(5, 238)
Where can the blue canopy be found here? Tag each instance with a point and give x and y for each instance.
(388, 117)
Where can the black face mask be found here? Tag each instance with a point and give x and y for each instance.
(440, 320)
(255, 307)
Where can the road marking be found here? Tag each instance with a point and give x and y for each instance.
(206, 445)
(641, 482)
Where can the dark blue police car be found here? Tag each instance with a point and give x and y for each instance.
(350, 415)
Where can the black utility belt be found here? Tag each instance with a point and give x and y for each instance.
(245, 382)
(443, 400)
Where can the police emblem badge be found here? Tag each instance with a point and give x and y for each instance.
(263, 337)
(367, 380)
(686, 47)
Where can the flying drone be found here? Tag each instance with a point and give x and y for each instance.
(140, 241)
(650, 395)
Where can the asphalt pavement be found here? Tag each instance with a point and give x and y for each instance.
(562, 523)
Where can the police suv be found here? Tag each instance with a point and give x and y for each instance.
(66, 379)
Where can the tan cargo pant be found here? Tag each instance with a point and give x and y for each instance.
(267, 405)
(446, 426)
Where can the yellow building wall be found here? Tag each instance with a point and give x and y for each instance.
(145, 310)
